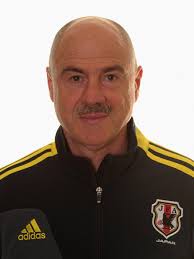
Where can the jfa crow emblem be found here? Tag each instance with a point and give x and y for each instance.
(166, 217)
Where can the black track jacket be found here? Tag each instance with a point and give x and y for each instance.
(139, 205)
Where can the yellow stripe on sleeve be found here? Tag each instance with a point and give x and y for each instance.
(51, 146)
(144, 144)
(27, 165)
(171, 154)
(171, 164)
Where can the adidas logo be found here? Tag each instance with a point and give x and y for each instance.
(31, 232)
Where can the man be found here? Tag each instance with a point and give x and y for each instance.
(107, 192)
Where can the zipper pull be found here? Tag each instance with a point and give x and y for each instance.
(99, 194)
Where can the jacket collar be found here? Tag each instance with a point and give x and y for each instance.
(111, 168)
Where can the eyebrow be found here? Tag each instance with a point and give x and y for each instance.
(72, 69)
(105, 70)
(115, 67)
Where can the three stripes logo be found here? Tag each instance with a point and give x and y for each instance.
(31, 232)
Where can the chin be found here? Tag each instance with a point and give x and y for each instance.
(94, 140)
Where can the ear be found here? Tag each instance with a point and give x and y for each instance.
(50, 82)
(138, 76)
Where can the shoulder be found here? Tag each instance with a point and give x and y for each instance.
(165, 156)
(29, 161)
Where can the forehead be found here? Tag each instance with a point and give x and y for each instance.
(91, 43)
(91, 65)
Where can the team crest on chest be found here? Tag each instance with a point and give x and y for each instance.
(166, 217)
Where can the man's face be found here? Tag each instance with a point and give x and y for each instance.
(93, 85)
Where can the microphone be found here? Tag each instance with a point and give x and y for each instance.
(26, 234)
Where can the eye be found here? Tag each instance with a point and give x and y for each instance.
(110, 77)
(76, 78)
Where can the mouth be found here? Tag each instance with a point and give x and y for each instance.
(93, 118)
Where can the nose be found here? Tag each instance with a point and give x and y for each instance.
(93, 91)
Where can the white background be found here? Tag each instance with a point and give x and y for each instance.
(163, 35)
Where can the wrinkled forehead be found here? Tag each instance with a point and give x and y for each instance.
(91, 66)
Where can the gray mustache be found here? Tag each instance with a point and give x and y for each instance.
(94, 108)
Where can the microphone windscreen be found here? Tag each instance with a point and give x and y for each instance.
(25, 233)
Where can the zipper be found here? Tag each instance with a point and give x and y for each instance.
(99, 194)
(99, 191)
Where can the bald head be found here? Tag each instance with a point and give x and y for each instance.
(95, 28)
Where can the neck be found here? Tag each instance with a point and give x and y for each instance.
(96, 153)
